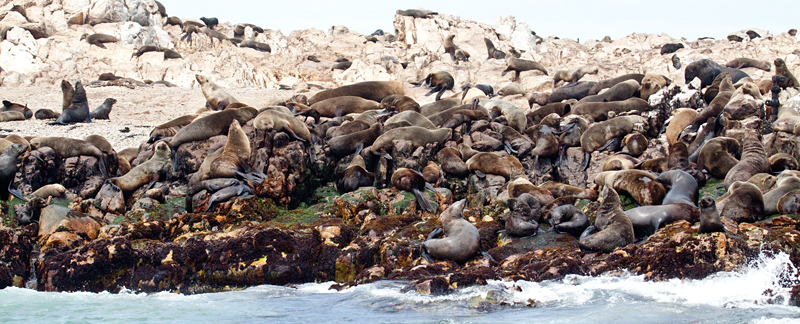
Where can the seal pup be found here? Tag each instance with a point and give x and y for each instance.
(99, 39)
(147, 172)
(227, 193)
(216, 97)
(461, 241)
(709, 217)
(613, 227)
(210, 22)
(521, 65)
(646, 220)
(517, 222)
(743, 62)
(102, 111)
(8, 169)
(598, 134)
(451, 162)
(439, 82)
(411, 180)
(78, 110)
(354, 176)
(568, 219)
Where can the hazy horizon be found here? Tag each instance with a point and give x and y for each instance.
(594, 20)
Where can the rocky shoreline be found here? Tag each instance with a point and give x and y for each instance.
(296, 227)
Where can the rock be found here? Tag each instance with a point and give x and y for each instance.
(15, 256)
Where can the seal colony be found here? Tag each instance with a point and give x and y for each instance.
(483, 168)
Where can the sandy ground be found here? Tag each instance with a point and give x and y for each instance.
(132, 118)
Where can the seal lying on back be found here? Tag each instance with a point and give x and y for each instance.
(372, 90)
(461, 241)
(615, 229)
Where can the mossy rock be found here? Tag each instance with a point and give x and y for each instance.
(713, 188)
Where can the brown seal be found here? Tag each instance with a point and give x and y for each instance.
(450, 160)
(46, 114)
(641, 185)
(782, 161)
(514, 116)
(47, 191)
(789, 204)
(681, 117)
(599, 111)
(494, 53)
(743, 62)
(11, 116)
(521, 65)
(213, 124)
(456, 54)
(576, 90)
(462, 240)
(746, 101)
(234, 154)
(646, 220)
(282, 121)
(439, 106)
(431, 172)
(545, 140)
(344, 145)
(709, 217)
(371, 90)
(102, 111)
(438, 82)
(411, 180)
(399, 103)
(744, 204)
(67, 147)
(146, 172)
(418, 136)
(521, 185)
(78, 110)
(785, 182)
(754, 160)
(782, 70)
(569, 76)
(621, 161)
(558, 189)
(170, 128)
(216, 97)
(335, 107)
(608, 83)
(348, 128)
(714, 108)
(598, 134)
(635, 144)
(513, 88)
(716, 156)
(536, 115)
(620, 91)
(99, 39)
(492, 163)
(518, 220)
(614, 228)
(652, 83)
(354, 176)
(413, 118)
(10, 106)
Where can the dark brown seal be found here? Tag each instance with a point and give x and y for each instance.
(614, 228)
(709, 217)
(494, 53)
(782, 70)
(411, 180)
(99, 39)
(646, 220)
(78, 110)
(354, 176)
(754, 160)
(450, 160)
(492, 163)
(707, 70)
(744, 204)
(372, 90)
(717, 156)
(620, 91)
(568, 219)
(102, 111)
(521, 65)
(344, 145)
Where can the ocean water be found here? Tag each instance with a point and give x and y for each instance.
(756, 294)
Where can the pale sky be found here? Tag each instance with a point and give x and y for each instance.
(563, 18)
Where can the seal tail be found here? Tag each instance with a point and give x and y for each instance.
(423, 201)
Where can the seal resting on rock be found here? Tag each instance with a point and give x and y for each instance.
(461, 241)
(411, 180)
(146, 172)
(614, 228)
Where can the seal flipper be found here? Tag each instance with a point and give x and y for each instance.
(289, 131)
(489, 256)
(102, 165)
(435, 233)
(611, 145)
(504, 72)
(15, 192)
(386, 155)
(423, 201)
(585, 164)
(587, 232)
(429, 186)
(428, 257)
(480, 174)
(509, 149)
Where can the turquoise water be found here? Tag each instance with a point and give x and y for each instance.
(726, 297)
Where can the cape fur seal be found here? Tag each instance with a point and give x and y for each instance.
(717, 156)
(210, 125)
(146, 172)
(354, 176)
(789, 203)
(670, 48)
(8, 169)
(520, 65)
(78, 110)
(411, 180)
(608, 83)
(620, 91)
(494, 53)
(417, 13)
(102, 111)
(716, 105)
(216, 97)
(568, 219)
(652, 83)
(709, 217)
(450, 160)
(641, 185)
(574, 75)
(599, 111)
(438, 82)
(281, 121)
(598, 134)
(576, 90)
(785, 182)
(782, 70)
(754, 160)
(514, 116)
(10, 106)
(492, 163)
(513, 88)
(413, 118)
(399, 103)
(707, 70)
(646, 220)
(614, 228)
(461, 241)
(234, 156)
(210, 22)
(335, 107)
(743, 62)
(344, 145)
(99, 39)
(681, 117)
(517, 220)
(419, 136)
(372, 90)
(170, 128)
(744, 204)
(46, 114)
